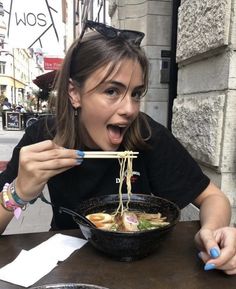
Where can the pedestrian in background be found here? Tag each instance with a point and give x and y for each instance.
(6, 105)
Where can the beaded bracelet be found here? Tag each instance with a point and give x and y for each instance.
(2, 203)
(8, 202)
(15, 197)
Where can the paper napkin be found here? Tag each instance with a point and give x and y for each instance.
(30, 266)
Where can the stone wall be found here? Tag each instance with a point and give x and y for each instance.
(204, 118)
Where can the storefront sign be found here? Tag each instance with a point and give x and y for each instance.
(52, 63)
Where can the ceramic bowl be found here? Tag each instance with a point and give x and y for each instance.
(128, 246)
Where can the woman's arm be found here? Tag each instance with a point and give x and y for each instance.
(215, 210)
(37, 164)
(215, 240)
(5, 218)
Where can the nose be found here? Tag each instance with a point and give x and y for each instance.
(128, 106)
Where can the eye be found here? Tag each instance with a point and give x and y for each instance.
(138, 94)
(112, 92)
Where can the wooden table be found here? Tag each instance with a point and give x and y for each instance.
(175, 265)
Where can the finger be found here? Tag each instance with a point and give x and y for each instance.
(230, 272)
(51, 154)
(41, 146)
(227, 240)
(229, 266)
(46, 169)
(210, 243)
(204, 256)
(57, 164)
(227, 259)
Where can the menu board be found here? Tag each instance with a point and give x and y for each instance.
(13, 121)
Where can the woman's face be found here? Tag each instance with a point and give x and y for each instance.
(108, 110)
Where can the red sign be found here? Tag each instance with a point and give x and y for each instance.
(52, 63)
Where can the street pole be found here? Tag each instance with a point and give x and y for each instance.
(14, 76)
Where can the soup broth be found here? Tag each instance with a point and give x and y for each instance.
(129, 221)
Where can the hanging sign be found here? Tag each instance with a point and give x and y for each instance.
(34, 23)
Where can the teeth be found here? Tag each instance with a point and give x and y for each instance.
(120, 125)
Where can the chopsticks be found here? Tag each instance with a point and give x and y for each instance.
(110, 155)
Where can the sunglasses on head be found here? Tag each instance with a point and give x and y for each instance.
(109, 32)
(135, 37)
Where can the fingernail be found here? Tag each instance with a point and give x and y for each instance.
(200, 255)
(80, 153)
(209, 266)
(214, 252)
(79, 161)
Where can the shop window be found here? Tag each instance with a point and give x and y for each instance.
(3, 89)
(2, 67)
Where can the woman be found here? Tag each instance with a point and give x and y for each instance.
(101, 83)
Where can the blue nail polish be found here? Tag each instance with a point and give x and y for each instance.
(214, 253)
(79, 161)
(209, 266)
(80, 153)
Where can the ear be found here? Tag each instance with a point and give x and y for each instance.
(74, 94)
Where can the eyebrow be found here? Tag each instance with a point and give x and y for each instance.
(121, 84)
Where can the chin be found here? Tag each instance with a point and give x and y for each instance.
(110, 147)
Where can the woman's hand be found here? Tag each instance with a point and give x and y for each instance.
(38, 163)
(218, 248)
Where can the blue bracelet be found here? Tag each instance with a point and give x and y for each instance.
(15, 197)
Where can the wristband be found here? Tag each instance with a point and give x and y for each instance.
(15, 197)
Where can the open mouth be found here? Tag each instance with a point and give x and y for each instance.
(116, 132)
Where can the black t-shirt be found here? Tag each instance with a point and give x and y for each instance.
(166, 170)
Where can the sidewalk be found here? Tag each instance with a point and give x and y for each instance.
(37, 217)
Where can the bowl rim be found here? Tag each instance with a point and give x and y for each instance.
(172, 224)
(58, 285)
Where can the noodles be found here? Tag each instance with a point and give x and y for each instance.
(126, 162)
(124, 220)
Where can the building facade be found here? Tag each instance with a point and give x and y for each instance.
(15, 74)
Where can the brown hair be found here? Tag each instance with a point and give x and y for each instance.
(81, 60)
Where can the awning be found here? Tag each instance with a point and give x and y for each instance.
(45, 81)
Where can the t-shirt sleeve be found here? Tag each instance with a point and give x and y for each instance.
(173, 173)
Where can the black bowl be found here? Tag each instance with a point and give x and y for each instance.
(127, 246)
(69, 286)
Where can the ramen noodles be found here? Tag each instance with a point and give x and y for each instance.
(126, 172)
(122, 219)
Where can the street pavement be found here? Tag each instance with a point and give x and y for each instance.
(36, 217)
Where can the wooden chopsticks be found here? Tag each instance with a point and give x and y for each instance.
(110, 154)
